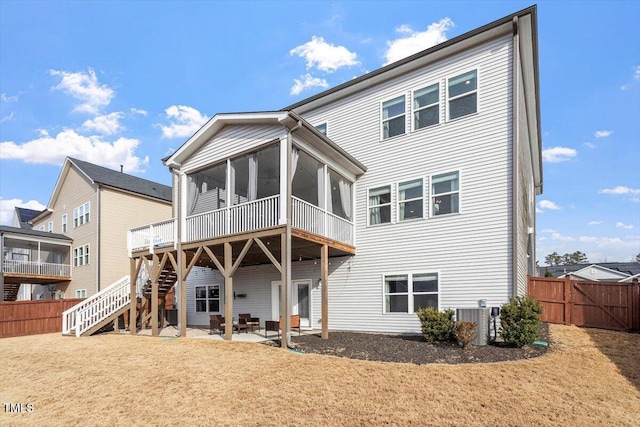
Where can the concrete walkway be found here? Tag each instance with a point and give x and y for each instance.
(203, 333)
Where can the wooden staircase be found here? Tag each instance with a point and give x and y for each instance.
(11, 291)
(166, 281)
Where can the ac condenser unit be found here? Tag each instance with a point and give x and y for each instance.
(480, 316)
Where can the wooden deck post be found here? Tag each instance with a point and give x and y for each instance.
(285, 259)
(324, 266)
(182, 286)
(228, 292)
(154, 296)
(133, 274)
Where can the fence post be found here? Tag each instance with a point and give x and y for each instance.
(567, 294)
(634, 291)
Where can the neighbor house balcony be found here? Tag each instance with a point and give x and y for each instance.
(35, 268)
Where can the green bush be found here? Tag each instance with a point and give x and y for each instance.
(436, 325)
(465, 332)
(520, 321)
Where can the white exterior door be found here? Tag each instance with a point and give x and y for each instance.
(300, 301)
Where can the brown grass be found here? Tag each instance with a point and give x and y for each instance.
(125, 380)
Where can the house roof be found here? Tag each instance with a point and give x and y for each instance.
(629, 268)
(33, 233)
(25, 215)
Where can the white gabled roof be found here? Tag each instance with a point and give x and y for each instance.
(602, 273)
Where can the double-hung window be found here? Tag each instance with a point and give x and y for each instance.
(463, 94)
(81, 256)
(407, 293)
(208, 299)
(426, 106)
(380, 205)
(81, 293)
(64, 223)
(393, 117)
(50, 226)
(410, 199)
(81, 215)
(445, 191)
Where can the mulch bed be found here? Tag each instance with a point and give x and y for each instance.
(412, 349)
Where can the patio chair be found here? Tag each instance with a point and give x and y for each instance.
(272, 325)
(216, 322)
(252, 322)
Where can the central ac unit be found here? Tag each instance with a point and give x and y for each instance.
(480, 316)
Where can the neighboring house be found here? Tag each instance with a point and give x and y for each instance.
(22, 217)
(602, 272)
(95, 206)
(411, 186)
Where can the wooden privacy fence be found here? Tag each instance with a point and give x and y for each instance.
(605, 305)
(18, 318)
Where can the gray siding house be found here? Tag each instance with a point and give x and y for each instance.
(413, 185)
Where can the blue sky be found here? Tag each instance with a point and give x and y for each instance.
(128, 82)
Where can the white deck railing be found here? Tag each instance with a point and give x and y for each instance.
(242, 218)
(93, 310)
(36, 268)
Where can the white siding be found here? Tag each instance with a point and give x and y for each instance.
(231, 141)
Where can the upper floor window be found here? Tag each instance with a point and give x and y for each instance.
(50, 226)
(426, 111)
(380, 205)
(445, 193)
(463, 94)
(393, 120)
(407, 293)
(410, 199)
(81, 256)
(81, 215)
(322, 128)
(64, 223)
(41, 228)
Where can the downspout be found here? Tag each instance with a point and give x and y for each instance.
(286, 286)
(181, 291)
(515, 156)
(97, 258)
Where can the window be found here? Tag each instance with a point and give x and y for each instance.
(444, 190)
(322, 128)
(81, 215)
(208, 299)
(410, 200)
(407, 293)
(81, 293)
(393, 121)
(41, 228)
(64, 223)
(463, 94)
(380, 205)
(50, 227)
(81, 256)
(426, 111)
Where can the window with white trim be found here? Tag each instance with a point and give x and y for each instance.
(426, 106)
(393, 119)
(407, 293)
(445, 189)
(41, 228)
(208, 299)
(50, 226)
(64, 223)
(410, 199)
(380, 205)
(81, 215)
(81, 293)
(322, 128)
(463, 94)
(81, 256)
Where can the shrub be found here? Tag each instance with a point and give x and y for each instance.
(436, 325)
(520, 321)
(465, 332)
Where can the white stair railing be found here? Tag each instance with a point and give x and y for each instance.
(93, 310)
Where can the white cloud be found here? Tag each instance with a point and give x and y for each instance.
(590, 223)
(7, 118)
(548, 204)
(625, 87)
(611, 242)
(620, 189)
(590, 145)
(7, 207)
(548, 230)
(558, 154)
(53, 150)
(415, 41)
(85, 88)
(602, 133)
(325, 56)
(538, 210)
(560, 237)
(105, 125)
(5, 98)
(138, 111)
(623, 225)
(636, 72)
(183, 121)
(306, 82)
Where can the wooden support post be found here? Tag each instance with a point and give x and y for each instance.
(182, 285)
(133, 274)
(154, 296)
(324, 266)
(228, 292)
(284, 288)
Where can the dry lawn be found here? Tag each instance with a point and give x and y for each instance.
(587, 378)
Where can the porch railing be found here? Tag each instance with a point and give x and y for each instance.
(152, 236)
(36, 268)
(313, 219)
